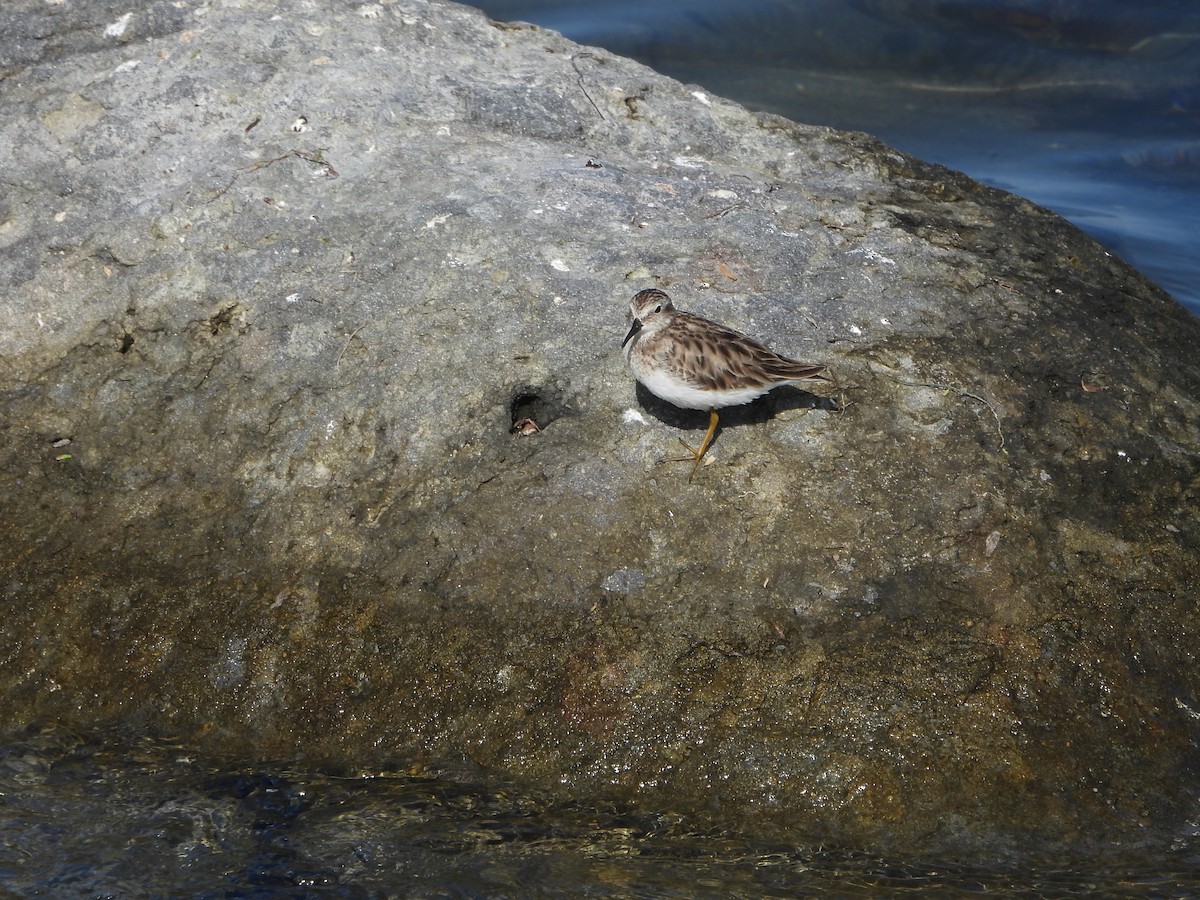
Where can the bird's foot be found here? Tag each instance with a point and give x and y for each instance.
(694, 457)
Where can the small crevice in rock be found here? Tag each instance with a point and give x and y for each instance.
(222, 320)
(533, 409)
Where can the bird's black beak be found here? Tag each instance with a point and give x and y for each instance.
(634, 329)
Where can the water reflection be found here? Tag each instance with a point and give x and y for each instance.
(130, 819)
(1089, 108)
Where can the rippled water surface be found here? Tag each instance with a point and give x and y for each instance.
(90, 818)
(1088, 107)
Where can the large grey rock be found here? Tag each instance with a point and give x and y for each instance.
(278, 279)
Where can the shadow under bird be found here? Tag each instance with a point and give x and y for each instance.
(694, 363)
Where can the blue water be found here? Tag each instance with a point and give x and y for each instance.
(1088, 107)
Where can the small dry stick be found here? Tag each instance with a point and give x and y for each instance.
(575, 66)
(346, 346)
(954, 388)
(315, 158)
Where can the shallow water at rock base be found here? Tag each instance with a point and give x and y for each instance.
(135, 818)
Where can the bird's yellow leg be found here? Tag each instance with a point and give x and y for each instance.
(698, 454)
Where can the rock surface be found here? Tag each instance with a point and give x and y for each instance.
(279, 280)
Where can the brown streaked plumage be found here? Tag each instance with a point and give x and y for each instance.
(697, 364)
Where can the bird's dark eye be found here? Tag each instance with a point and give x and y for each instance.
(658, 308)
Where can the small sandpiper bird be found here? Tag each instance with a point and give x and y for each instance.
(697, 364)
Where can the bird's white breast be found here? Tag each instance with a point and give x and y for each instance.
(665, 385)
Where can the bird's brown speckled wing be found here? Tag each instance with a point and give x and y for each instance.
(713, 357)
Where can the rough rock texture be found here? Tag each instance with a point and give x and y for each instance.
(278, 278)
